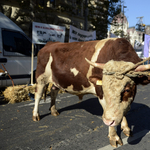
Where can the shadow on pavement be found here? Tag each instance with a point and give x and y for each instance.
(43, 116)
(2, 101)
(91, 105)
(139, 122)
(138, 117)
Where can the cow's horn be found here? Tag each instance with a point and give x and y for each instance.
(97, 65)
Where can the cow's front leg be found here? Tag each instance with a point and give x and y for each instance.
(54, 93)
(114, 139)
(125, 127)
(38, 94)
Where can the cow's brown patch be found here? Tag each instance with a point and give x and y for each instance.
(69, 56)
(119, 49)
(99, 91)
(129, 91)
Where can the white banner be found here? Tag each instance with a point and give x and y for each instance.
(146, 45)
(76, 35)
(42, 33)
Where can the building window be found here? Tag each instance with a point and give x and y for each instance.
(15, 44)
(139, 37)
(41, 2)
(78, 7)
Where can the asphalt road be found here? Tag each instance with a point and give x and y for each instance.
(78, 127)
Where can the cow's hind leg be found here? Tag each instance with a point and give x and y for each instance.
(53, 94)
(38, 94)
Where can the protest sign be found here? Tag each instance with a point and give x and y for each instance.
(76, 35)
(42, 33)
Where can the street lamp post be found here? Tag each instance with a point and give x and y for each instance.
(85, 17)
(123, 20)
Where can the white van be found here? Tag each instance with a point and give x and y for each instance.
(15, 53)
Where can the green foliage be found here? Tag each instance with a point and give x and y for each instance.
(102, 14)
(119, 33)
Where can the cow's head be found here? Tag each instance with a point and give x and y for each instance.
(119, 88)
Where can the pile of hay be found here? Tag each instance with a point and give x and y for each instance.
(15, 94)
(18, 93)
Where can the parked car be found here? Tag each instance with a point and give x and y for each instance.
(15, 53)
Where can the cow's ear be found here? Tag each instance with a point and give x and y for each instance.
(98, 86)
(142, 80)
(95, 80)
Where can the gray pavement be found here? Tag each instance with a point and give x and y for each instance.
(78, 127)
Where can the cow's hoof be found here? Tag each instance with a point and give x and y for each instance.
(36, 118)
(115, 140)
(128, 133)
(55, 113)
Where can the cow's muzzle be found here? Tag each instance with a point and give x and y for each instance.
(111, 123)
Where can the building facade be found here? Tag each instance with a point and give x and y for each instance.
(120, 23)
(57, 12)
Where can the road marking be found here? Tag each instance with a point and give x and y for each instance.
(127, 140)
(67, 96)
(41, 102)
(48, 100)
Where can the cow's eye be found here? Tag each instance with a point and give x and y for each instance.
(125, 94)
(127, 90)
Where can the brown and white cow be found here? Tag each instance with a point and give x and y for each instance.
(66, 65)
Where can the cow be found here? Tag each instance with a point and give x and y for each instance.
(98, 67)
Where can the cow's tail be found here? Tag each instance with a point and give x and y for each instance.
(45, 91)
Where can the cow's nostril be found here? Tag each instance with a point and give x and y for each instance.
(111, 124)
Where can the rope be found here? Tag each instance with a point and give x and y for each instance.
(141, 62)
(129, 73)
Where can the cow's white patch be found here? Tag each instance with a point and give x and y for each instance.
(89, 90)
(74, 71)
(46, 77)
(98, 48)
(48, 69)
(69, 88)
